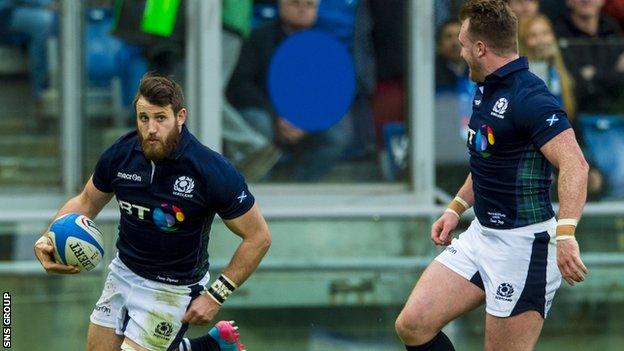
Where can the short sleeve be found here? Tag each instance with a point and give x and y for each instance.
(102, 173)
(541, 117)
(229, 191)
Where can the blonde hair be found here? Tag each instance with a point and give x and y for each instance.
(567, 82)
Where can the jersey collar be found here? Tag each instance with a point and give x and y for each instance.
(184, 140)
(513, 66)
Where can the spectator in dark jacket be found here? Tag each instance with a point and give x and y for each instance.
(592, 46)
(312, 155)
(450, 67)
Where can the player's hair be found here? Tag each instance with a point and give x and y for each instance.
(493, 22)
(160, 91)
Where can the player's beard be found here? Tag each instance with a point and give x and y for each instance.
(474, 72)
(162, 148)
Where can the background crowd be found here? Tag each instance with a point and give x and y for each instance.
(575, 46)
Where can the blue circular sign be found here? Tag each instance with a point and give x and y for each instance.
(311, 80)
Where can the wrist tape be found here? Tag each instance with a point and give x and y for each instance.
(221, 289)
(566, 228)
(457, 206)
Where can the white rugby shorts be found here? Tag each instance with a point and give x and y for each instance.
(517, 268)
(145, 311)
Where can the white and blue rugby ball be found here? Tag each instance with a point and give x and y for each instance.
(77, 241)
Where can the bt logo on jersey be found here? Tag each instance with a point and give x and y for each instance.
(482, 138)
(130, 208)
(166, 216)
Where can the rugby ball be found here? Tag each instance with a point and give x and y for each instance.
(77, 241)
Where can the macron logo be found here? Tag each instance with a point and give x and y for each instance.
(134, 177)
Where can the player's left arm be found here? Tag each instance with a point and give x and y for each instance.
(254, 231)
(564, 153)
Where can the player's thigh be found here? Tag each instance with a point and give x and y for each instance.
(517, 333)
(440, 295)
(103, 339)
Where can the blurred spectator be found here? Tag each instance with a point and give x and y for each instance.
(312, 154)
(35, 19)
(351, 23)
(537, 41)
(591, 45)
(236, 19)
(251, 151)
(446, 10)
(555, 10)
(338, 17)
(615, 9)
(389, 102)
(164, 52)
(389, 43)
(524, 9)
(166, 56)
(450, 67)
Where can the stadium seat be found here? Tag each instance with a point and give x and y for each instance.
(13, 57)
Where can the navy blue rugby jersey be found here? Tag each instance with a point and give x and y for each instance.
(167, 207)
(513, 116)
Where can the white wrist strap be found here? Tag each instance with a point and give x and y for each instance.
(564, 237)
(450, 210)
(567, 221)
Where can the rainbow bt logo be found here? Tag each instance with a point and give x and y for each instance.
(484, 137)
(167, 217)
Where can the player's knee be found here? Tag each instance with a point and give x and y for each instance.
(405, 326)
(413, 325)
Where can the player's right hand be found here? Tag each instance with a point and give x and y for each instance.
(571, 266)
(442, 229)
(44, 251)
(201, 311)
